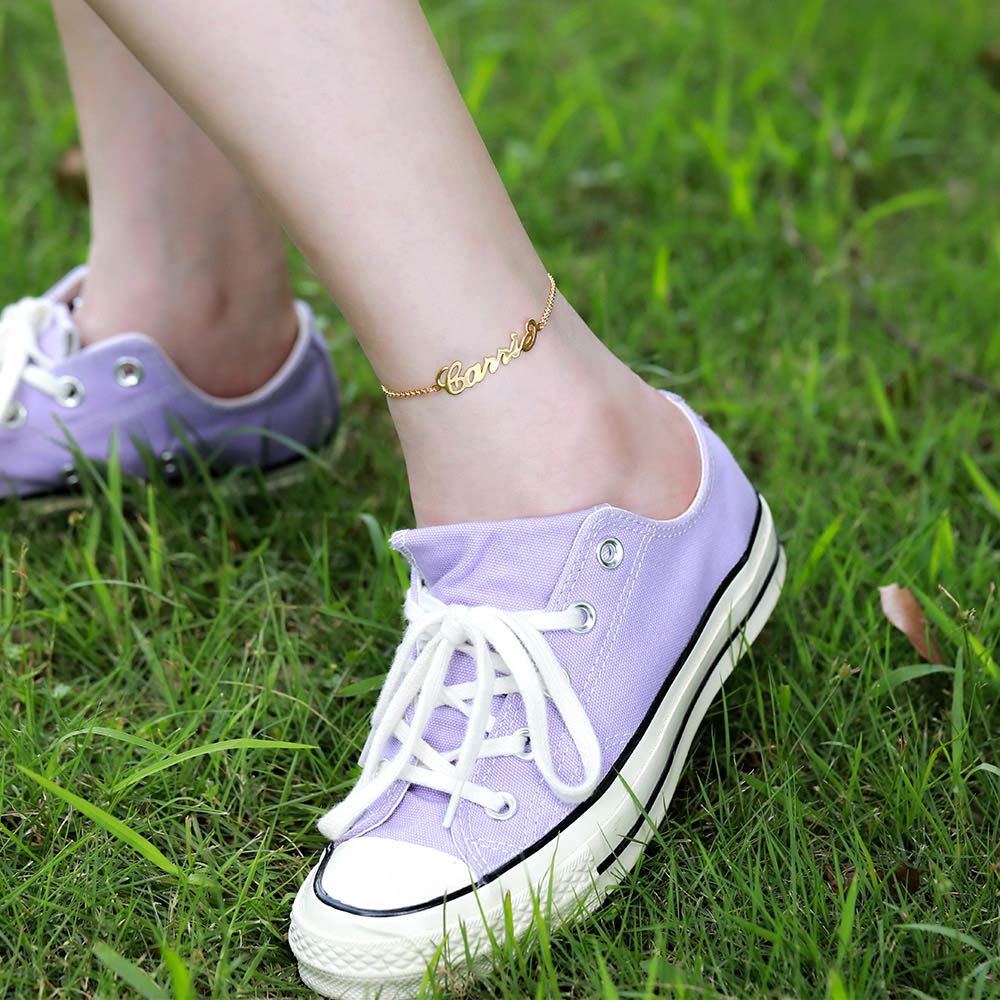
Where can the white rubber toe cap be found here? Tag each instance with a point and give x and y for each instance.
(375, 874)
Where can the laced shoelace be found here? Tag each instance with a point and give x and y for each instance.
(21, 356)
(511, 655)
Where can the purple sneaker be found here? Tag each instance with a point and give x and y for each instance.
(533, 726)
(53, 392)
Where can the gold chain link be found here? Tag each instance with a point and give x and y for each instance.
(456, 378)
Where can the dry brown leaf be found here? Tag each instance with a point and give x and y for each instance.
(903, 610)
(71, 173)
(989, 63)
(903, 880)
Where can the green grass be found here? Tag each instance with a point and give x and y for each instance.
(743, 198)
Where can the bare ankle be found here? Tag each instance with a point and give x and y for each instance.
(569, 428)
(202, 322)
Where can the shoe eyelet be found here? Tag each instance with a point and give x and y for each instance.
(15, 417)
(70, 476)
(588, 619)
(71, 392)
(169, 463)
(508, 810)
(610, 553)
(128, 372)
(527, 753)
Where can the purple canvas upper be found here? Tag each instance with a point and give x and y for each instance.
(647, 608)
(155, 415)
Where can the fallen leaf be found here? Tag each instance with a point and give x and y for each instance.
(989, 63)
(71, 174)
(903, 610)
(903, 880)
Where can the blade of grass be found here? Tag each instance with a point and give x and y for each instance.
(130, 973)
(109, 823)
(209, 748)
(988, 490)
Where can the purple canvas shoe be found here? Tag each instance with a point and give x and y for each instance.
(53, 392)
(533, 726)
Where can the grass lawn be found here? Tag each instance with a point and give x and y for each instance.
(754, 204)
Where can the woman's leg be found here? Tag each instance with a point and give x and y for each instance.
(181, 248)
(347, 117)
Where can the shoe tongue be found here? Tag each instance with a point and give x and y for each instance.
(60, 337)
(512, 565)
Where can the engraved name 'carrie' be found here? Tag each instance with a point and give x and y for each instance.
(454, 381)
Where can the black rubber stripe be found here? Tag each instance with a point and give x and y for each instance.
(629, 837)
(612, 775)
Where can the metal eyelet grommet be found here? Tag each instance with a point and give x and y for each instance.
(168, 462)
(526, 753)
(508, 810)
(70, 476)
(588, 617)
(71, 392)
(610, 553)
(128, 372)
(15, 417)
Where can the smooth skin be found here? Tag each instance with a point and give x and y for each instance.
(182, 248)
(348, 120)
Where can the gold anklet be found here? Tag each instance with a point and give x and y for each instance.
(456, 377)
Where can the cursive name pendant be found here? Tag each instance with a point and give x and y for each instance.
(454, 381)
(455, 378)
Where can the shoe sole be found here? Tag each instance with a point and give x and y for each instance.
(569, 873)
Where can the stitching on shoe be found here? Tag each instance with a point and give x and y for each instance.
(404, 550)
(611, 635)
(619, 741)
(644, 524)
(573, 575)
(616, 624)
(379, 815)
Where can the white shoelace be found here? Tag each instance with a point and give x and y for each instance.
(510, 655)
(21, 356)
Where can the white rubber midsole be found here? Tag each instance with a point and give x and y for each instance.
(346, 955)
